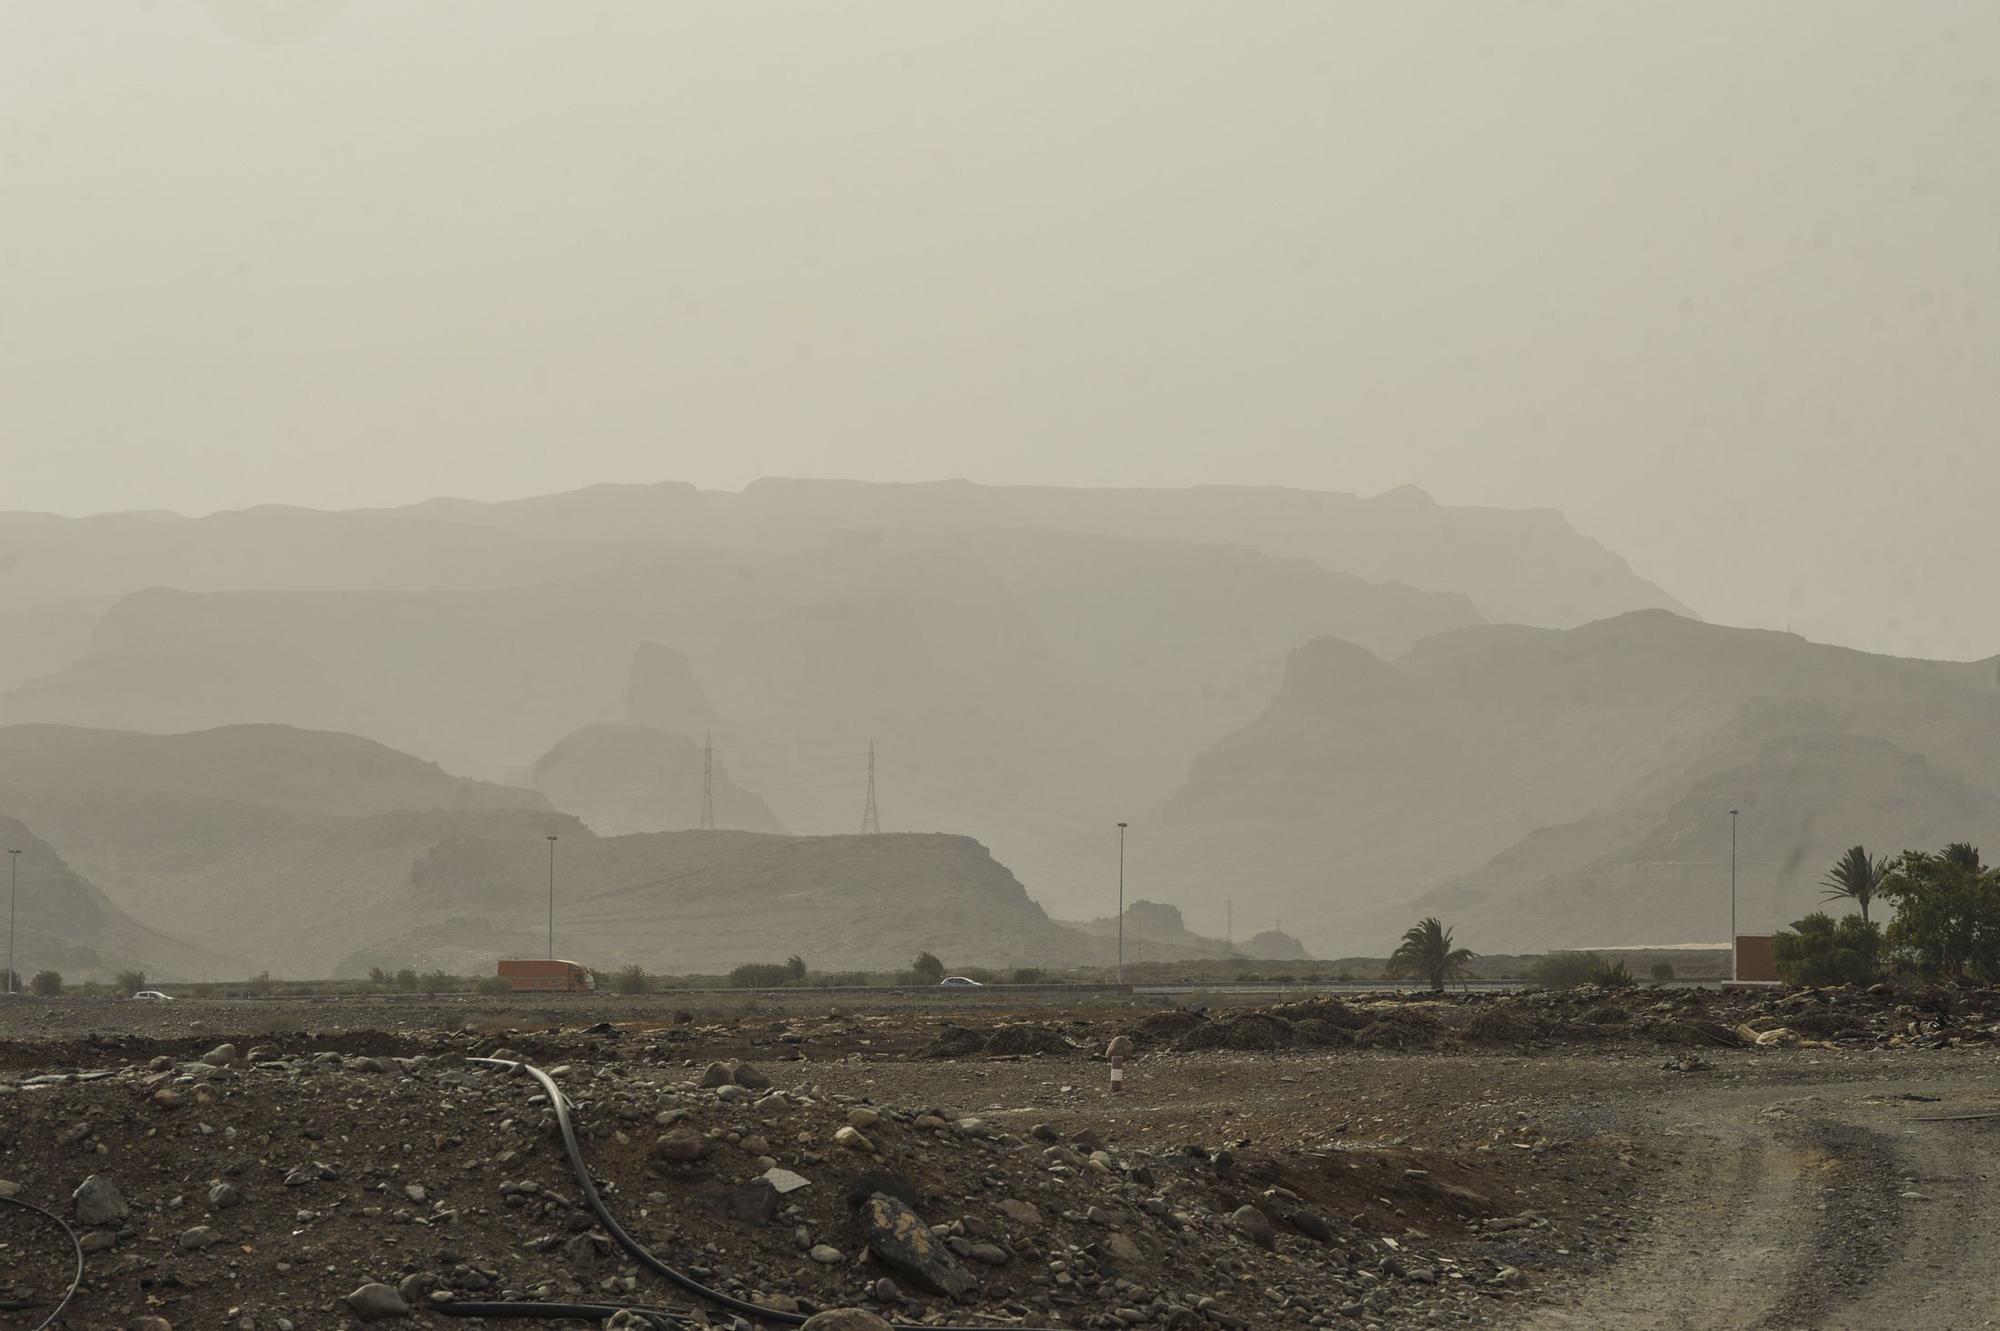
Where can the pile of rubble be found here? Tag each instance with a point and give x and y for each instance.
(290, 1186)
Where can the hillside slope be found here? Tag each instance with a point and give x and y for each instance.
(1535, 774)
(63, 923)
(707, 901)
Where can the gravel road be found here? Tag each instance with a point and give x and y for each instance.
(1826, 1206)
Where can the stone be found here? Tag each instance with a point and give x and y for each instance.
(862, 1118)
(221, 1056)
(223, 1196)
(902, 1242)
(9, 1188)
(151, 1324)
(198, 1238)
(886, 1181)
(167, 1098)
(1123, 1249)
(1254, 1225)
(1313, 1225)
(717, 1074)
(1023, 1214)
(97, 1240)
(826, 1254)
(754, 1203)
(853, 1140)
(98, 1202)
(748, 1077)
(682, 1146)
(845, 1319)
(375, 1302)
(784, 1180)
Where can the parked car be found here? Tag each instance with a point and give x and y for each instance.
(959, 982)
(152, 996)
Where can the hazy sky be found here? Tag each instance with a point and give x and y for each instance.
(1719, 280)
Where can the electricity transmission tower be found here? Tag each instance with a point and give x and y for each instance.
(871, 822)
(708, 782)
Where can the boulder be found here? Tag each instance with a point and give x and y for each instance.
(98, 1202)
(1254, 1225)
(902, 1242)
(376, 1302)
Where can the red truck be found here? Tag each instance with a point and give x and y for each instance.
(525, 974)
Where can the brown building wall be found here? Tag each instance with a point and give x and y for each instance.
(1756, 957)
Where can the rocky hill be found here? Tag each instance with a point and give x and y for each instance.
(1568, 788)
(632, 778)
(63, 923)
(708, 901)
(1155, 931)
(264, 846)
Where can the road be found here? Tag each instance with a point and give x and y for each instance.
(1833, 1206)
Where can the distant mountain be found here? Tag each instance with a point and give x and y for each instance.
(1155, 931)
(630, 778)
(706, 902)
(63, 923)
(264, 846)
(1563, 788)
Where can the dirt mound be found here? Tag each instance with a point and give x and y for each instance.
(1028, 1038)
(1165, 1027)
(1404, 1028)
(955, 1042)
(1253, 1030)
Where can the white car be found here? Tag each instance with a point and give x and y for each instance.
(152, 996)
(959, 982)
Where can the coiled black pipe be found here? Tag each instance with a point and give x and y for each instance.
(75, 1244)
(643, 1254)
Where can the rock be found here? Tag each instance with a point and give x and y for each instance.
(862, 1118)
(733, 1094)
(1021, 1213)
(1123, 1249)
(754, 1203)
(151, 1324)
(853, 1140)
(885, 1181)
(98, 1202)
(167, 1098)
(97, 1240)
(717, 1074)
(1312, 1225)
(826, 1254)
(901, 1241)
(415, 1192)
(1254, 1225)
(223, 1196)
(748, 1077)
(198, 1238)
(845, 1319)
(9, 1188)
(375, 1302)
(221, 1056)
(682, 1146)
(784, 1180)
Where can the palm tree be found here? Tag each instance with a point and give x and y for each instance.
(1856, 876)
(1963, 855)
(1426, 952)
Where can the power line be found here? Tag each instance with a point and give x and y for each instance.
(871, 821)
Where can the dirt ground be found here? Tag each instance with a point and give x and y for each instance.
(1588, 1160)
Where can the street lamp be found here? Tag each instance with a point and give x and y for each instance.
(1732, 895)
(552, 896)
(1121, 905)
(13, 888)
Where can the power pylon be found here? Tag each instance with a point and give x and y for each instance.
(708, 782)
(871, 822)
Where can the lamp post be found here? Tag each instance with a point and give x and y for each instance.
(1121, 905)
(1732, 894)
(13, 889)
(552, 896)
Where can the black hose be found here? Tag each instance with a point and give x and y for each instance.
(638, 1250)
(75, 1244)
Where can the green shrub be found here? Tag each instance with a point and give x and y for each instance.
(437, 982)
(1611, 975)
(1663, 971)
(493, 986)
(406, 980)
(760, 975)
(1026, 975)
(630, 980)
(46, 983)
(1821, 950)
(927, 968)
(130, 981)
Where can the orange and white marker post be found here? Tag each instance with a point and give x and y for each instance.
(1117, 1051)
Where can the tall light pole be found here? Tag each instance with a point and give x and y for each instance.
(1121, 905)
(13, 888)
(552, 896)
(1732, 894)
